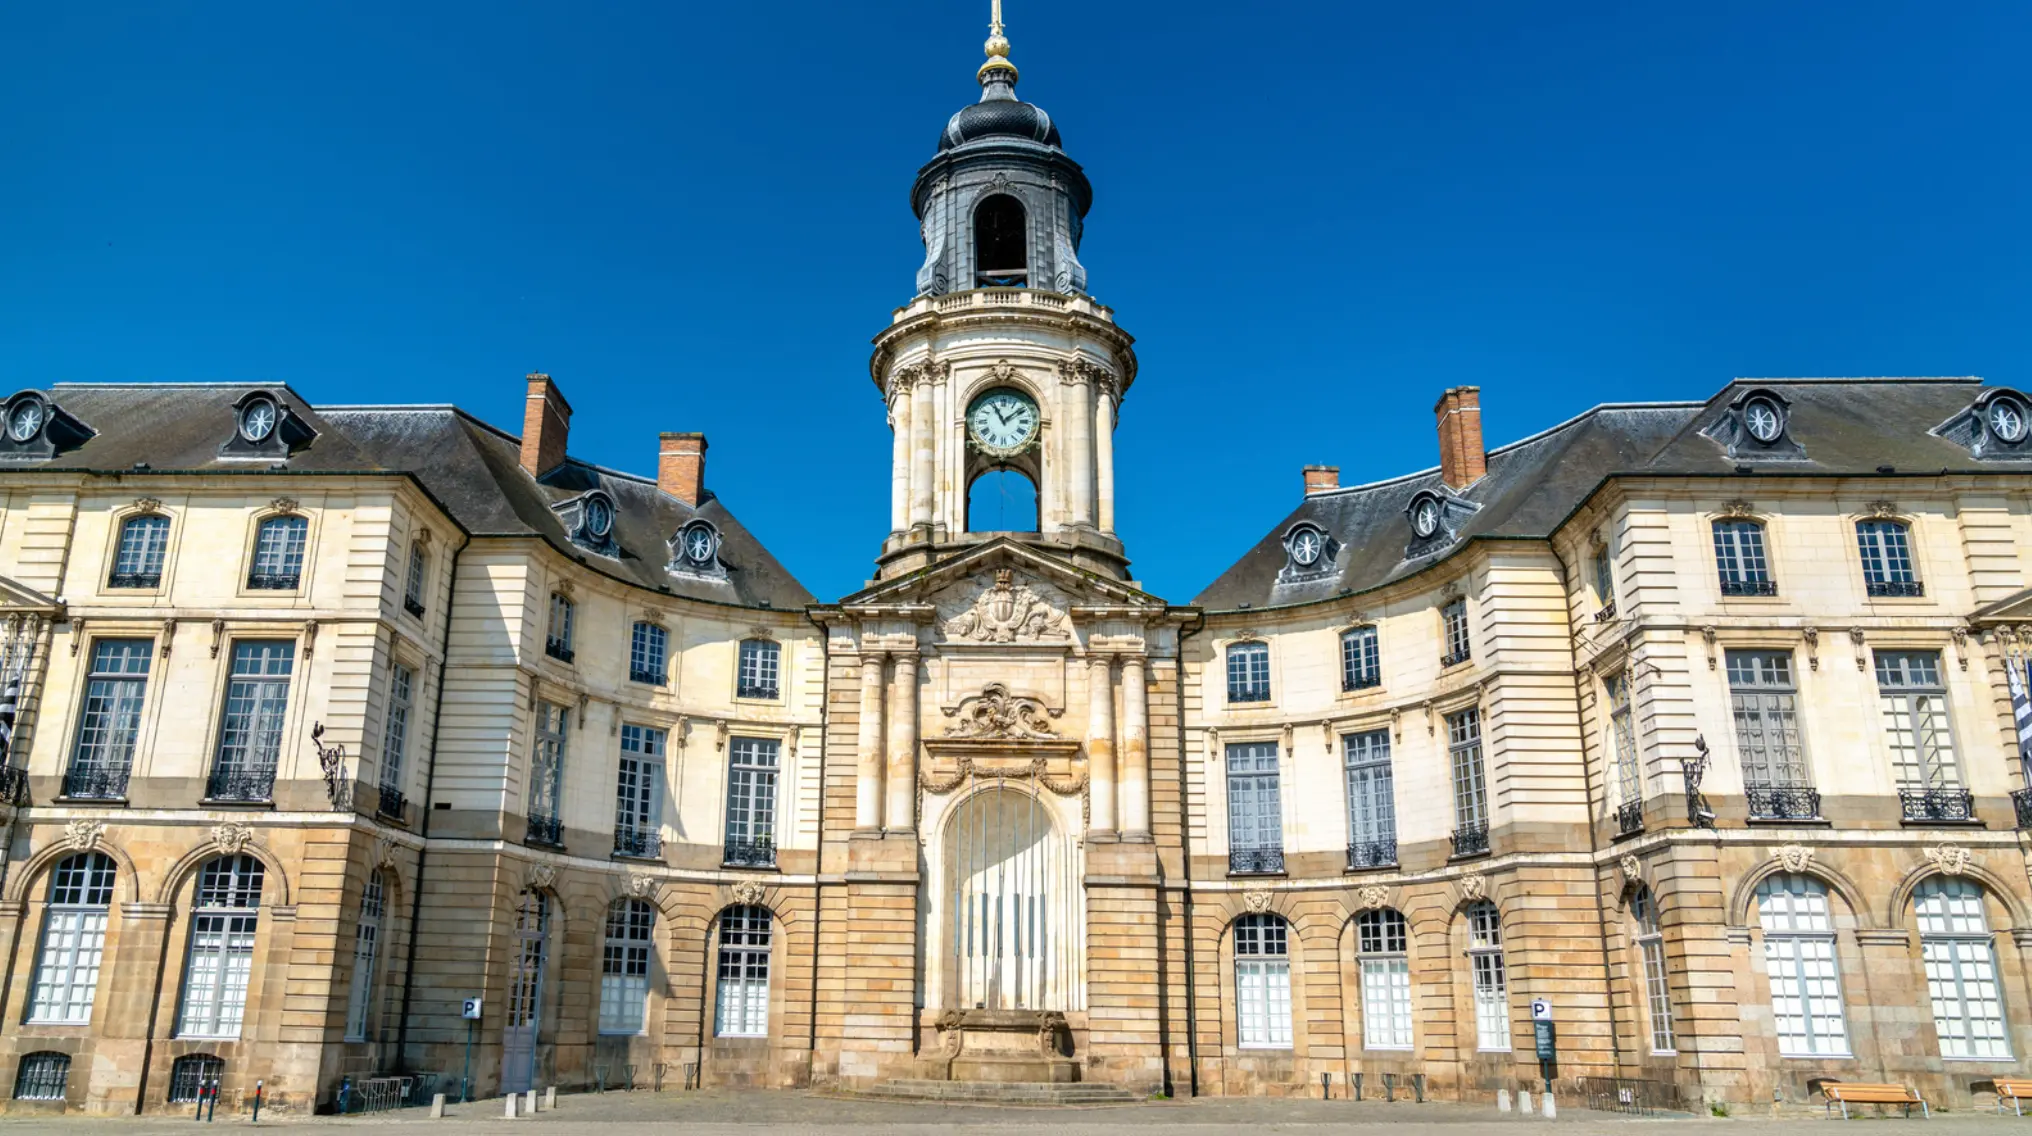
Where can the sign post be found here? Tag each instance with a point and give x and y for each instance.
(472, 1015)
(1547, 1040)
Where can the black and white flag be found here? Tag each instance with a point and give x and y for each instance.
(10, 700)
(2018, 671)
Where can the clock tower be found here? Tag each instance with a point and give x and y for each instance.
(1002, 375)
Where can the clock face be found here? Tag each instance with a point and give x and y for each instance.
(25, 421)
(698, 545)
(1306, 547)
(1425, 518)
(599, 517)
(1002, 421)
(257, 421)
(1762, 419)
(2007, 421)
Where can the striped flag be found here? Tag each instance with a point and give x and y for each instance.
(10, 701)
(2021, 709)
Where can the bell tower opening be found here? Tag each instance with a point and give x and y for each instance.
(1001, 243)
(1002, 499)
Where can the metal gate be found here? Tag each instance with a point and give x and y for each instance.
(525, 994)
(1012, 905)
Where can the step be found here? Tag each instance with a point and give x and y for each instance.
(995, 1092)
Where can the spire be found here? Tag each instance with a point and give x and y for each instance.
(997, 75)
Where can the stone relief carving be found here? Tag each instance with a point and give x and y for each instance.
(749, 892)
(542, 877)
(83, 834)
(1949, 859)
(642, 887)
(232, 838)
(1010, 611)
(1474, 887)
(1256, 900)
(1633, 871)
(1793, 857)
(1373, 897)
(384, 853)
(996, 713)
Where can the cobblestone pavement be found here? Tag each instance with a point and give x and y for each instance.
(726, 1113)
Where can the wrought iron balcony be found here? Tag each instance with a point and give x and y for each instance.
(14, 785)
(1938, 804)
(755, 690)
(1471, 840)
(96, 782)
(1455, 659)
(647, 678)
(1630, 818)
(1372, 854)
(1895, 588)
(545, 830)
(413, 606)
(2021, 803)
(1248, 694)
(393, 804)
(1749, 587)
(1362, 682)
(643, 843)
(236, 784)
(1772, 802)
(1607, 613)
(274, 581)
(134, 580)
(759, 852)
(1255, 861)
(557, 649)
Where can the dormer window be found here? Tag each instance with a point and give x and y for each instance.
(257, 419)
(1435, 518)
(37, 428)
(265, 428)
(25, 421)
(2006, 418)
(1309, 551)
(589, 521)
(1001, 243)
(695, 550)
(1997, 425)
(1756, 426)
(1763, 419)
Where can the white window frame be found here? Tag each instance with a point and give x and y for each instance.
(1248, 672)
(1255, 797)
(759, 670)
(1383, 942)
(1262, 982)
(143, 548)
(1370, 771)
(1918, 719)
(219, 962)
(366, 953)
(741, 997)
(1803, 967)
(1962, 981)
(1361, 658)
(395, 732)
(1455, 634)
(1629, 769)
(648, 653)
(1470, 774)
(1742, 556)
(624, 968)
(280, 556)
(1656, 980)
(413, 581)
(1491, 977)
(638, 792)
(1770, 738)
(73, 949)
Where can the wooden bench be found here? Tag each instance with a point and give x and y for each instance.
(2016, 1090)
(1846, 1093)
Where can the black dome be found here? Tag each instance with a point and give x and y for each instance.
(999, 118)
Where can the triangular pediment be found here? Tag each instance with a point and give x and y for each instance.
(936, 583)
(18, 597)
(2015, 608)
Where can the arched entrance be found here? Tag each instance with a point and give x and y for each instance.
(525, 992)
(1012, 905)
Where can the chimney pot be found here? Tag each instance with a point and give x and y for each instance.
(681, 467)
(1321, 478)
(546, 420)
(1462, 460)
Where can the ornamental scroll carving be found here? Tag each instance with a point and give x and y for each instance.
(995, 713)
(1009, 611)
(83, 834)
(1034, 770)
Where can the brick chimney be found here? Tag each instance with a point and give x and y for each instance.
(1320, 478)
(1462, 461)
(681, 467)
(546, 419)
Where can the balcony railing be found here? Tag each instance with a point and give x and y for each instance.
(13, 785)
(1255, 861)
(642, 843)
(134, 580)
(234, 784)
(274, 581)
(1771, 802)
(646, 678)
(393, 804)
(1607, 612)
(1372, 854)
(1248, 694)
(545, 830)
(1749, 587)
(95, 783)
(753, 690)
(1362, 682)
(758, 852)
(557, 649)
(1471, 840)
(1950, 805)
(413, 606)
(2021, 803)
(1895, 588)
(1630, 818)
(1455, 659)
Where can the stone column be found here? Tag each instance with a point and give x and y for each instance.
(868, 770)
(1135, 750)
(1079, 443)
(1100, 748)
(902, 811)
(1104, 455)
(899, 461)
(923, 466)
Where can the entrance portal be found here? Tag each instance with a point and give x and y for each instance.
(525, 993)
(1012, 905)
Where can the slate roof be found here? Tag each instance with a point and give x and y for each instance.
(473, 469)
(1846, 427)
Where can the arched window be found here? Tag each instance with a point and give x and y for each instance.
(1806, 998)
(144, 540)
(1262, 982)
(73, 939)
(1961, 969)
(221, 956)
(648, 651)
(624, 967)
(1739, 558)
(190, 1074)
(1383, 941)
(278, 554)
(1001, 243)
(761, 670)
(1002, 500)
(743, 1007)
(1651, 948)
(1886, 549)
(1361, 661)
(525, 991)
(1491, 977)
(1249, 672)
(42, 1076)
(366, 951)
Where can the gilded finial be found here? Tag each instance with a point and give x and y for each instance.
(997, 48)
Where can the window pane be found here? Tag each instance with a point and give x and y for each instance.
(1470, 790)
(1372, 801)
(278, 552)
(395, 739)
(110, 721)
(751, 790)
(743, 973)
(760, 663)
(143, 543)
(1361, 662)
(1255, 808)
(1249, 672)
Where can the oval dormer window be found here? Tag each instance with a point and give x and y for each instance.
(1425, 518)
(599, 517)
(257, 420)
(2006, 418)
(1306, 546)
(700, 544)
(1763, 419)
(27, 420)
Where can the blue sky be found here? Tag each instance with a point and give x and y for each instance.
(1314, 216)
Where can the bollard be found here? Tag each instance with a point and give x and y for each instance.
(1418, 1086)
(1325, 1086)
(1389, 1086)
(1357, 1094)
(1524, 1101)
(511, 1099)
(550, 1098)
(437, 1107)
(212, 1112)
(1502, 1100)
(257, 1099)
(1551, 1110)
(531, 1103)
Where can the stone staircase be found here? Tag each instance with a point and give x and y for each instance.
(1037, 1093)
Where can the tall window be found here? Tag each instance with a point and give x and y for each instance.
(1651, 950)
(366, 951)
(1453, 622)
(1361, 661)
(743, 1004)
(1382, 940)
(250, 731)
(1001, 244)
(1765, 704)
(751, 802)
(73, 939)
(42, 1076)
(1249, 672)
(412, 586)
(1623, 743)
(557, 638)
(1604, 565)
(1739, 557)
(137, 563)
(1806, 999)
(1372, 800)
(648, 655)
(278, 554)
(1886, 548)
(1255, 810)
(110, 722)
(638, 820)
(761, 663)
(1262, 982)
(624, 967)
(395, 737)
(221, 947)
(1961, 969)
(1492, 982)
(1470, 785)
(1914, 700)
(546, 774)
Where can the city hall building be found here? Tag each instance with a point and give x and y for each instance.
(1692, 721)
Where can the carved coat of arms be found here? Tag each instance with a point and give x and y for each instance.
(996, 713)
(1008, 612)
